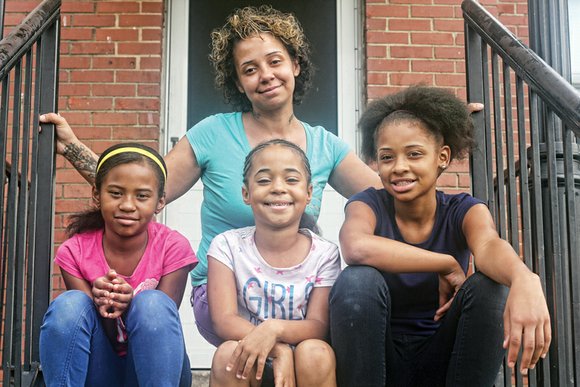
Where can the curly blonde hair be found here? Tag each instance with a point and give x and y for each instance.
(251, 21)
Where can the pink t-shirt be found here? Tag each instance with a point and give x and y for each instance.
(167, 250)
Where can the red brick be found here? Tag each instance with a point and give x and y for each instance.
(140, 20)
(411, 52)
(20, 6)
(447, 180)
(388, 65)
(148, 90)
(137, 132)
(522, 9)
(406, 79)
(506, 9)
(117, 34)
(93, 48)
(374, 92)
(62, 103)
(464, 180)
(76, 33)
(151, 34)
(63, 76)
(449, 52)
(117, 7)
(414, 1)
(111, 89)
(138, 76)
(139, 49)
(453, 25)
(92, 76)
(115, 62)
(76, 103)
(514, 20)
(71, 206)
(93, 20)
(450, 80)
(92, 132)
(11, 20)
(387, 37)
(75, 6)
(149, 119)
(150, 63)
(387, 11)
(435, 11)
(137, 104)
(152, 7)
(374, 51)
(432, 38)
(69, 175)
(377, 78)
(74, 89)
(410, 25)
(99, 146)
(109, 118)
(376, 24)
(434, 66)
(77, 190)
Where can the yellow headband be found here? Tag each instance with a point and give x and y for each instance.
(143, 152)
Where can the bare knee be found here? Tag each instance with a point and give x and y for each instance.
(317, 352)
(219, 375)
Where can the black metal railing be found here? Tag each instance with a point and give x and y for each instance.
(29, 78)
(527, 168)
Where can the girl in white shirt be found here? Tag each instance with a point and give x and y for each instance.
(268, 284)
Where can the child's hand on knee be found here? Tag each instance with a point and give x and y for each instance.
(253, 349)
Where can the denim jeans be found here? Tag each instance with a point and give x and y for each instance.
(466, 349)
(75, 350)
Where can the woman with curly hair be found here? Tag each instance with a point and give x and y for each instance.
(262, 63)
(403, 312)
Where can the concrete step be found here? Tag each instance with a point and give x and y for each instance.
(199, 378)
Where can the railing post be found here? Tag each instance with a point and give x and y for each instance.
(549, 33)
(44, 184)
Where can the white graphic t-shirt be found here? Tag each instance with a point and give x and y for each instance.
(265, 291)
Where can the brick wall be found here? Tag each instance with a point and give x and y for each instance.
(421, 41)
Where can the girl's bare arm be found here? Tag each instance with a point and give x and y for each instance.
(526, 316)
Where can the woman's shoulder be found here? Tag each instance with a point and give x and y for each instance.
(218, 120)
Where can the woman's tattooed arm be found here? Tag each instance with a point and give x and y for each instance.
(83, 159)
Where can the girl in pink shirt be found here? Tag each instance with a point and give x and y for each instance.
(118, 322)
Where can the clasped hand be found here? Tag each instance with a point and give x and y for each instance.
(112, 295)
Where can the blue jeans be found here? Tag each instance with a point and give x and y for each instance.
(466, 349)
(75, 350)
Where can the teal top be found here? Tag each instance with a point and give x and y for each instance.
(220, 146)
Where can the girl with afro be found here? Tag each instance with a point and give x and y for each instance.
(403, 313)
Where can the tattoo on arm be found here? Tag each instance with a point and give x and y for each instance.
(82, 160)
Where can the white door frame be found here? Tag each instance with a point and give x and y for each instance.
(174, 125)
